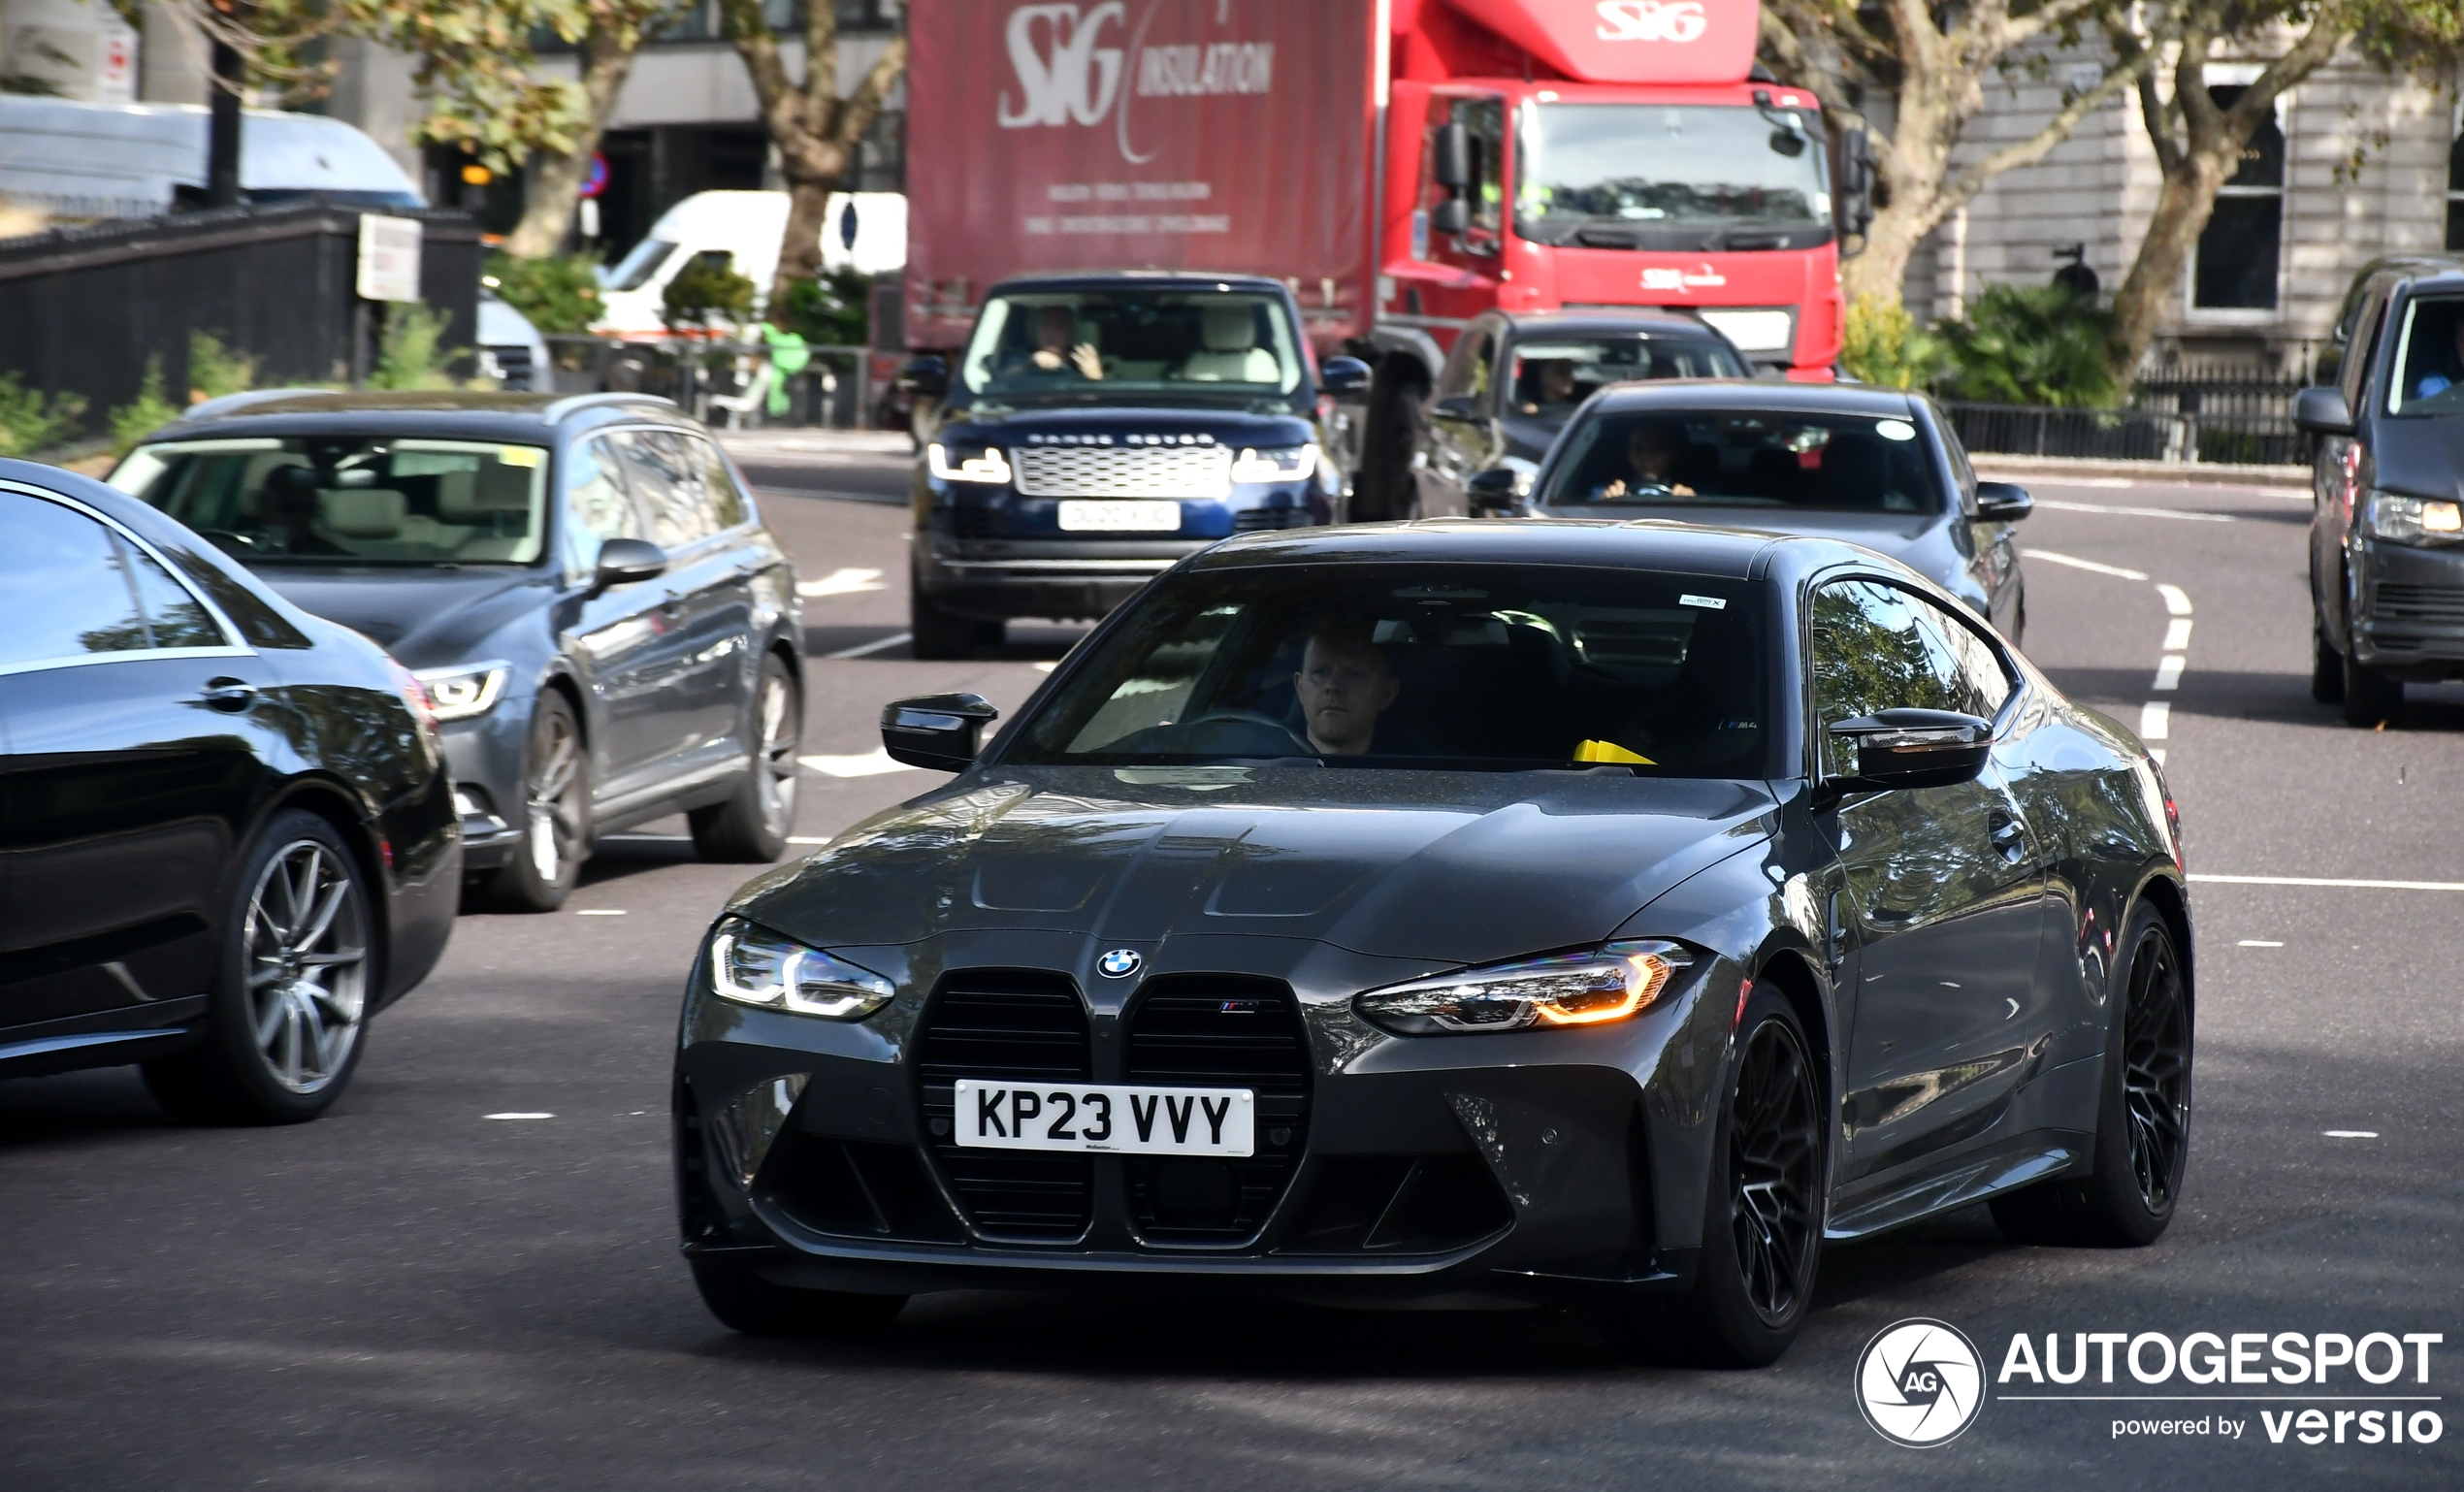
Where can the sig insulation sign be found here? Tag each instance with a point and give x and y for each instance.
(1223, 135)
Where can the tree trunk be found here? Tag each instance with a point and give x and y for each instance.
(807, 218)
(1882, 269)
(2183, 205)
(557, 185)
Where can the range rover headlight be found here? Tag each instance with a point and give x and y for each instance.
(974, 463)
(1275, 464)
(755, 966)
(466, 690)
(1618, 981)
(2404, 520)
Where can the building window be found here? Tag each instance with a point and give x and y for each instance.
(2455, 186)
(2238, 252)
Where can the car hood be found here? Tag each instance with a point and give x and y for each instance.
(2420, 458)
(1449, 867)
(426, 618)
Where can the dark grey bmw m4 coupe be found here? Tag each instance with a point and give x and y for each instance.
(1592, 911)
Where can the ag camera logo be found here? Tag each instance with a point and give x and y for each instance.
(1651, 20)
(1920, 1382)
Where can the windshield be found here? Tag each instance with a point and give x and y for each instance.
(635, 269)
(1552, 376)
(1428, 666)
(2429, 358)
(345, 500)
(1655, 175)
(1069, 343)
(1741, 459)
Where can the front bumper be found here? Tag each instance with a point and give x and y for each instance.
(2411, 617)
(1528, 1164)
(998, 578)
(485, 757)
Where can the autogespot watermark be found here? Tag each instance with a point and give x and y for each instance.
(1923, 1383)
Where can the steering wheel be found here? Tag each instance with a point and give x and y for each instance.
(1228, 715)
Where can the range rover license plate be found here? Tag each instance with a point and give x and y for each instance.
(1082, 515)
(1114, 1120)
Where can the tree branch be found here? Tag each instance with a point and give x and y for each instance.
(865, 104)
(1964, 188)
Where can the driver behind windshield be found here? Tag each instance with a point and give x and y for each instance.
(1344, 683)
(288, 507)
(1550, 386)
(1652, 450)
(1058, 350)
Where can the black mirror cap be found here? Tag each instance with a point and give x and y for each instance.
(2003, 502)
(2322, 411)
(1453, 215)
(1497, 489)
(1343, 376)
(627, 561)
(1910, 748)
(936, 731)
(926, 376)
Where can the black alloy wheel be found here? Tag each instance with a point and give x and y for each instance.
(554, 823)
(2127, 1196)
(754, 823)
(745, 1302)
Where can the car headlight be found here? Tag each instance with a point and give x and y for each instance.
(465, 689)
(986, 465)
(1618, 981)
(1275, 464)
(755, 966)
(2403, 520)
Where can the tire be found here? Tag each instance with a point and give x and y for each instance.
(555, 813)
(2127, 1197)
(2371, 697)
(1387, 488)
(1763, 1227)
(752, 825)
(285, 1018)
(745, 1302)
(937, 634)
(2326, 667)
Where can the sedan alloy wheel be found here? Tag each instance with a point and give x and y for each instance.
(306, 965)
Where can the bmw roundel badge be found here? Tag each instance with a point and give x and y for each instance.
(1120, 963)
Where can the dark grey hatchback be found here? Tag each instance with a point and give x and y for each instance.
(607, 629)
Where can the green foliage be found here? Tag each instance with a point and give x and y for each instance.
(559, 295)
(1882, 344)
(705, 293)
(214, 370)
(29, 422)
(413, 354)
(149, 412)
(832, 312)
(2032, 345)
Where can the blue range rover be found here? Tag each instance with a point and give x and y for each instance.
(1096, 429)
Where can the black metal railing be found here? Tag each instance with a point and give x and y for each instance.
(712, 379)
(2178, 413)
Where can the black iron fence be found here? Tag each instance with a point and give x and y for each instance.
(2215, 415)
(725, 383)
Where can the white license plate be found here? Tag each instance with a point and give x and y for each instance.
(1081, 515)
(1111, 1119)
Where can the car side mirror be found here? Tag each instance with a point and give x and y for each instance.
(1345, 375)
(1497, 489)
(2322, 413)
(938, 732)
(2002, 501)
(626, 561)
(1456, 406)
(1907, 748)
(928, 377)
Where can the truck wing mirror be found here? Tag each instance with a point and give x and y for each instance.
(1856, 180)
(1453, 215)
(1450, 158)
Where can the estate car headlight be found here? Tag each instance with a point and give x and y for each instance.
(1618, 981)
(755, 966)
(466, 690)
(1275, 464)
(2404, 520)
(974, 463)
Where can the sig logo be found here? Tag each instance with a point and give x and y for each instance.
(1920, 1382)
(1651, 20)
(1063, 75)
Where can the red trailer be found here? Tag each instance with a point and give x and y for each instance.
(1402, 165)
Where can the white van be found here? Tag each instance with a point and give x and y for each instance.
(746, 227)
(76, 160)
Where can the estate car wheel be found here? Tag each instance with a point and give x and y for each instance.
(2143, 1113)
(753, 825)
(2326, 666)
(284, 1018)
(1762, 1232)
(556, 808)
(745, 1302)
(2371, 697)
(937, 634)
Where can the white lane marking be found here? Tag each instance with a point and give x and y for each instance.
(871, 764)
(2257, 943)
(518, 1115)
(1046, 668)
(2176, 600)
(2168, 673)
(2155, 753)
(808, 839)
(884, 644)
(2350, 1134)
(2115, 570)
(2156, 721)
(2337, 882)
(2177, 635)
(599, 912)
(2132, 512)
(841, 582)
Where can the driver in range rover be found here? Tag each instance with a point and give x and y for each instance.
(1344, 683)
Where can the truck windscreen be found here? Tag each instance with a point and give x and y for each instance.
(1070, 344)
(1665, 177)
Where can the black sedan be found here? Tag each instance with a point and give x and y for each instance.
(608, 630)
(227, 836)
(1872, 466)
(1613, 912)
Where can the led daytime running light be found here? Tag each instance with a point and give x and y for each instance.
(1285, 464)
(991, 467)
(461, 692)
(751, 966)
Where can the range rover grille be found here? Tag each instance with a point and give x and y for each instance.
(1022, 1023)
(1115, 472)
(1213, 1030)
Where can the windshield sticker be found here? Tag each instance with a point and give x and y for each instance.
(1708, 602)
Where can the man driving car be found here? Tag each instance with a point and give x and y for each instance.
(1651, 451)
(1344, 683)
